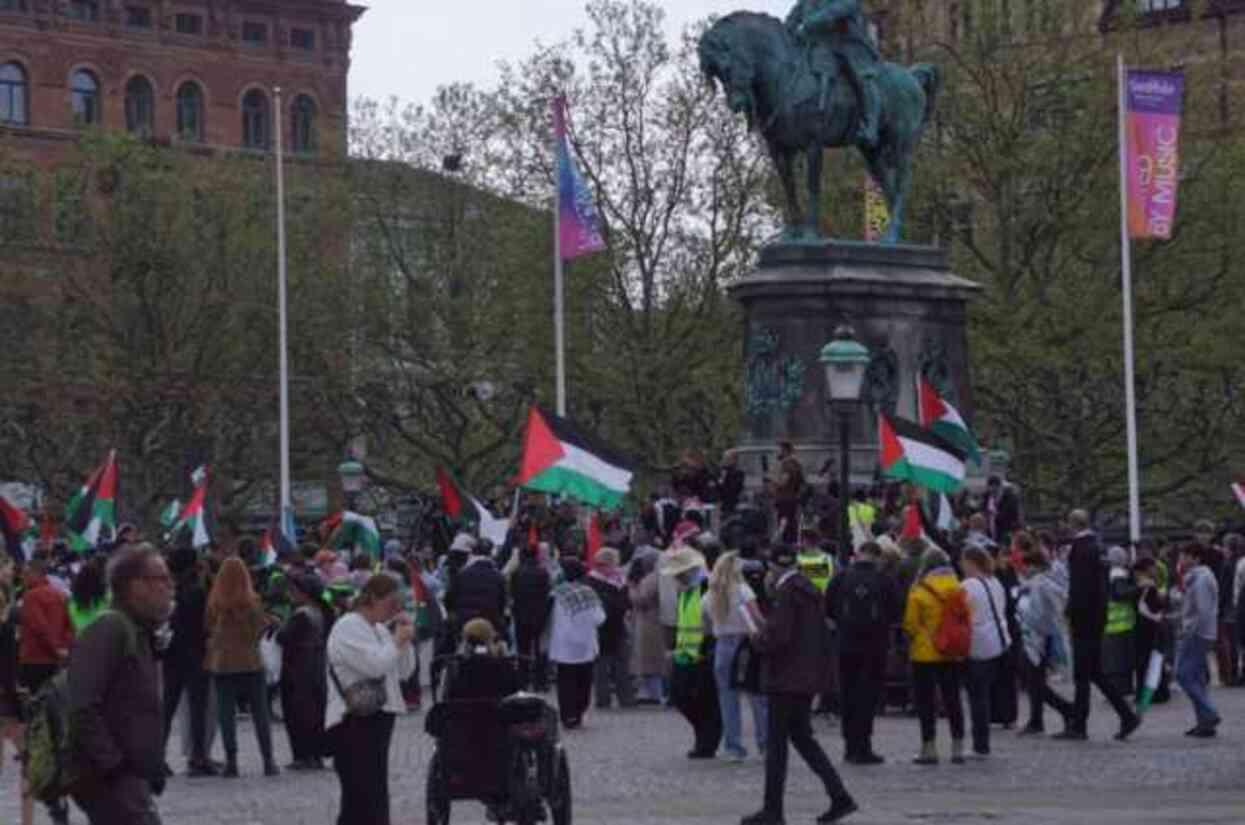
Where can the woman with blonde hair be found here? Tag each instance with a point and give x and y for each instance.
(235, 623)
(730, 612)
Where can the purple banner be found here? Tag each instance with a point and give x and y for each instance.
(1155, 102)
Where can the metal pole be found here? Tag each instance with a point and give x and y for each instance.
(845, 527)
(559, 320)
(282, 344)
(1126, 267)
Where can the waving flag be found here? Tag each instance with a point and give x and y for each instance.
(1238, 489)
(559, 459)
(358, 532)
(194, 515)
(451, 496)
(944, 419)
(94, 507)
(919, 455)
(578, 231)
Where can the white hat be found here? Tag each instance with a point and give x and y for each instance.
(463, 542)
(680, 561)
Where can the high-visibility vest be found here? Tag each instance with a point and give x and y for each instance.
(1121, 617)
(817, 567)
(689, 633)
(862, 513)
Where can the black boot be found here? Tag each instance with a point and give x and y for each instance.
(231, 766)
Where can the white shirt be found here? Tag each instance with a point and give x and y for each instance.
(736, 624)
(577, 613)
(990, 638)
(358, 650)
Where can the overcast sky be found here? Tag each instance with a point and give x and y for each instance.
(407, 48)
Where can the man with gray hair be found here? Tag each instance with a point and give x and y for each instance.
(114, 698)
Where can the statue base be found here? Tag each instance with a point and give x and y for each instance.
(904, 304)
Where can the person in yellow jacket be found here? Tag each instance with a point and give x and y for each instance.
(932, 672)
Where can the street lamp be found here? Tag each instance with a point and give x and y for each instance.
(845, 361)
(354, 478)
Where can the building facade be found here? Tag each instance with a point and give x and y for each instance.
(199, 73)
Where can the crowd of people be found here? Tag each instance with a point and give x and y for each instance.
(707, 610)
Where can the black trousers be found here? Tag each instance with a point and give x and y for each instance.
(574, 692)
(361, 760)
(302, 704)
(1086, 671)
(862, 676)
(789, 510)
(942, 678)
(1040, 695)
(123, 800)
(533, 665)
(790, 722)
(694, 693)
(980, 677)
(193, 681)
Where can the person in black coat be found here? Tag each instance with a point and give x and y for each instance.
(730, 483)
(793, 643)
(1088, 594)
(304, 685)
(612, 677)
(530, 586)
(183, 659)
(477, 592)
(863, 602)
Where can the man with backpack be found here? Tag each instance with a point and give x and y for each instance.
(116, 727)
(863, 604)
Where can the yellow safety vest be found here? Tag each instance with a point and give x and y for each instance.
(862, 513)
(817, 567)
(1121, 617)
(689, 634)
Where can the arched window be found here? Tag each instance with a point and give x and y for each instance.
(140, 106)
(303, 125)
(255, 122)
(190, 112)
(85, 97)
(13, 88)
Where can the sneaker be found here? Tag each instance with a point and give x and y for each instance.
(201, 769)
(736, 756)
(840, 808)
(1071, 735)
(1031, 730)
(762, 818)
(1202, 733)
(695, 754)
(869, 758)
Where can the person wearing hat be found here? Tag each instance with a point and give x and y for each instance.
(684, 534)
(793, 642)
(693, 690)
(304, 686)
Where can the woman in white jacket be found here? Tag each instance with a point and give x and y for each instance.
(988, 604)
(573, 646)
(362, 646)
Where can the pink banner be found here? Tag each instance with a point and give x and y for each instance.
(1154, 104)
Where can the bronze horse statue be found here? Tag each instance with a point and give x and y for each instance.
(766, 77)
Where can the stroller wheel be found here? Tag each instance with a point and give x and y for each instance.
(560, 796)
(436, 796)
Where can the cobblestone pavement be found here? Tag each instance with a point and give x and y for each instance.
(629, 767)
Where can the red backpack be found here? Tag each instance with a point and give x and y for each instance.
(954, 636)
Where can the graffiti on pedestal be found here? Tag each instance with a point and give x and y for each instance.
(774, 382)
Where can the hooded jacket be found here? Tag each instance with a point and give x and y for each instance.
(923, 613)
(1199, 610)
(795, 640)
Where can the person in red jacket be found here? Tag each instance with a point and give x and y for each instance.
(46, 632)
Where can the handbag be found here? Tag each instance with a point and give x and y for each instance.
(365, 697)
(745, 673)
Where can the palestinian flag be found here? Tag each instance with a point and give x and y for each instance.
(170, 515)
(1238, 488)
(94, 507)
(194, 514)
(944, 419)
(358, 532)
(13, 524)
(451, 496)
(559, 459)
(271, 544)
(918, 455)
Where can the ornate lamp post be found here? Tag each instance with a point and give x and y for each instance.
(354, 479)
(845, 361)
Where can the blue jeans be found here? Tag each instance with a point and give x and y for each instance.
(1193, 676)
(728, 700)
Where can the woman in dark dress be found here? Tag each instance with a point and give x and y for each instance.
(304, 685)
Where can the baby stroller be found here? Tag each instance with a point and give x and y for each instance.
(503, 751)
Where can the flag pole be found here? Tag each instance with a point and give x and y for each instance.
(559, 329)
(1126, 266)
(282, 344)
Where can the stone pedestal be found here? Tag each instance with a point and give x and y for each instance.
(905, 305)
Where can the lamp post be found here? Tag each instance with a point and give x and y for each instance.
(354, 479)
(845, 361)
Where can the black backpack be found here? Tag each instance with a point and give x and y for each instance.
(860, 602)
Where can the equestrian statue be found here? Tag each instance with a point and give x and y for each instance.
(818, 81)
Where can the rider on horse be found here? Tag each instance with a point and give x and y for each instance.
(835, 30)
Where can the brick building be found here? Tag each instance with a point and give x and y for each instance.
(192, 72)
